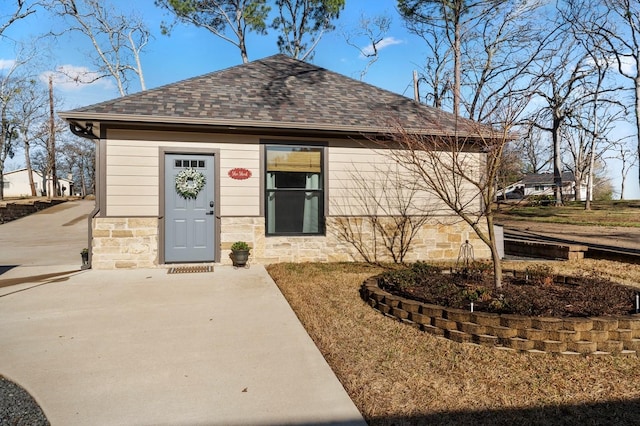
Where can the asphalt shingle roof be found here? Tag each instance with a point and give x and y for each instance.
(277, 91)
(545, 178)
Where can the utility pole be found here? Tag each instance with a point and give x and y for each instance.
(52, 144)
(416, 87)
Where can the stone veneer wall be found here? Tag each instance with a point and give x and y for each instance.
(567, 336)
(133, 243)
(435, 242)
(124, 243)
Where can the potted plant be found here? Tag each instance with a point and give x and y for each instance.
(240, 253)
(85, 257)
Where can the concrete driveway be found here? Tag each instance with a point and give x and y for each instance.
(144, 347)
(51, 237)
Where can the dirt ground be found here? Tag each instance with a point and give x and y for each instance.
(615, 236)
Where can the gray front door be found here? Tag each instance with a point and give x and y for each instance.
(189, 222)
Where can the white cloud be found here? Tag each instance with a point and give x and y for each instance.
(628, 66)
(6, 64)
(71, 77)
(385, 42)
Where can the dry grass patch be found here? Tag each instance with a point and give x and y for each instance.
(398, 375)
(603, 213)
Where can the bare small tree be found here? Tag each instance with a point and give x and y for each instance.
(460, 169)
(116, 38)
(384, 212)
(623, 152)
(372, 31)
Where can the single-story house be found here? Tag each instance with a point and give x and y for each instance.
(16, 184)
(264, 152)
(536, 184)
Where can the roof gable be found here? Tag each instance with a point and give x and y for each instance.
(276, 92)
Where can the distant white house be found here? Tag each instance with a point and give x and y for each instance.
(16, 184)
(536, 184)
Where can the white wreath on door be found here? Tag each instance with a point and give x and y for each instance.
(189, 182)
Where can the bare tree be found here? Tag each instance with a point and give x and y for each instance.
(535, 148)
(628, 158)
(302, 23)
(560, 89)
(599, 109)
(20, 9)
(230, 20)
(11, 85)
(460, 169)
(482, 43)
(436, 71)
(384, 209)
(31, 103)
(373, 32)
(43, 157)
(77, 159)
(620, 28)
(117, 39)
(497, 54)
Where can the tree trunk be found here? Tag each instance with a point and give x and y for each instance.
(456, 69)
(3, 148)
(636, 82)
(495, 256)
(136, 55)
(27, 160)
(557, 162)
(52, 142)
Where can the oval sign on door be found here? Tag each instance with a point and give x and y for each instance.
(239, 173)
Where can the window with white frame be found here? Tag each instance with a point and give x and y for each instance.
(294, 190)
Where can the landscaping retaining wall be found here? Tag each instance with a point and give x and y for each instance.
(13, 211)
(567, 336)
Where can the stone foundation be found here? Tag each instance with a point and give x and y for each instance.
(133, 243)
(434, 242)
(124, 243)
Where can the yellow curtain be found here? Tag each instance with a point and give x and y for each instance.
(294, 161)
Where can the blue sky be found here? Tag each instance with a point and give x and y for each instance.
(190, 51)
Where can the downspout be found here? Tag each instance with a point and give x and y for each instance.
(87, 133)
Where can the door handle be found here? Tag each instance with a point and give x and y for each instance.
(209, 213)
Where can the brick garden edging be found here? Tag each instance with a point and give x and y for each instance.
(567, 336)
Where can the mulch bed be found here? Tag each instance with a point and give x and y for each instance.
(538, 294)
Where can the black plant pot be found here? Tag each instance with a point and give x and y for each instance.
(240, 258)
(85, 259)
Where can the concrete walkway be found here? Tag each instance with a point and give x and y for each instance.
(143, 347)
